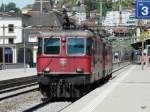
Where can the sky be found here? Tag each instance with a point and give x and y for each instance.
(19, 3)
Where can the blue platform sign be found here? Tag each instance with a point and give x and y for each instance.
(142, 9)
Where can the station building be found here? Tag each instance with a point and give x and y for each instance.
(40, 19)
(10, 36)
(22, 31)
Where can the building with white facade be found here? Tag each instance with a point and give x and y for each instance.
(80, 13)
(10, 35)
(13, 37)
(39, 21)
(113, 18)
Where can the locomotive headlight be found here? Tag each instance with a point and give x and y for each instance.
(47, 70)
(79, 70)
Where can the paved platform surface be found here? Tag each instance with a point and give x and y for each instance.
(16, 73)
(129, 91)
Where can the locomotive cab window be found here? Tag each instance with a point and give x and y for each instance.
(52, 46)
(89, 45)
(75, 46)
(40, 46)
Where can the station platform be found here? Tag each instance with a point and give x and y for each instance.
(129, 91)
(14, 73)
(8, 74)
(17, 72)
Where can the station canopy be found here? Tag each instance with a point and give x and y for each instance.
(138, 45)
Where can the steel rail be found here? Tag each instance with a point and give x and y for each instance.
(17, 88)
(17, 94)
(40, 105)
(5, 84)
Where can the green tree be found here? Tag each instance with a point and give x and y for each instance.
(10, 6)
(72, 2)
(125, 4)
(2, 7)
(109, 5)
(67, 2)
(89, 6)
(95, 5)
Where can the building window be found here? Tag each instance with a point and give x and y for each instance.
(11, 41)
(10, 28)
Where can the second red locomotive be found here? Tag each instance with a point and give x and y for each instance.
(70, 61)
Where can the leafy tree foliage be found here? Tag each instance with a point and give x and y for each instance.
(2, 7)
(67, 2)
(9, 7)
(124, 3)
(95, 5)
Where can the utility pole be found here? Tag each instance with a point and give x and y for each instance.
(24, 49)
(3, 47)
(101, 11)
(101, 8)
(24, 28)
(41, 6)
(120, 23)
(120, 12)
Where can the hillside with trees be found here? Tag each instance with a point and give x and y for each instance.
(90, 5)
(95, 4)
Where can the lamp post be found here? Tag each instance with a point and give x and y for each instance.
(24, 45)
(4, 47)
(24, 49)
(101, 11)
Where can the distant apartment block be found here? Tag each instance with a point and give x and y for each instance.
(80, 13)
(113, 18)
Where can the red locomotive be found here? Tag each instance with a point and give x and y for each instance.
(70, 61)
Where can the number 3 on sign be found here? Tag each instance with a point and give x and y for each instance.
(145, 11)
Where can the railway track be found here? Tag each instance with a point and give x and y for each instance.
(17, 88)
(6, 84)
(18, 93)
(120, 66)
(35, 107)
(11, 87)
(33, 82)
(40, 105)
(115, 70)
